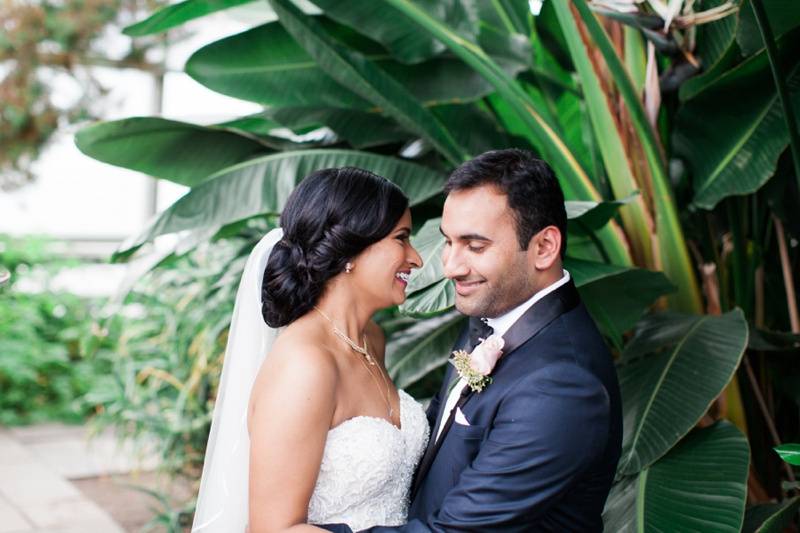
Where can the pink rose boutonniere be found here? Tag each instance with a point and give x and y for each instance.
(475, 368)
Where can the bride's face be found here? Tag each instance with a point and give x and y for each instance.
(381, 271)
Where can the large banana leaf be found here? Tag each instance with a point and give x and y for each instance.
(587, 217)
(437, 298)
(177, 14)
(176, 151)
(266, 65)
(714, 39)
(429, 243)
(361, 129)
(505, 15)
(708, 469)
(651, 221)
(700, 485)
(408, 43)
(475, 129)
(616, 297)
(738, 153)
(256, 123)
(262, 185)
(783, 16)
(716, 49)
(401, 37)
(697, 84)
(471, 126)
(353, 70)
(662, 395)
(414, 352)
(511, 50)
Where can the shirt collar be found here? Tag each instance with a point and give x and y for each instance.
(503, 323)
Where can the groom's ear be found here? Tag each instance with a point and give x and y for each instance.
(544, 248)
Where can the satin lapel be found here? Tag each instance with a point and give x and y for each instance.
(558, 302)
(555, 304)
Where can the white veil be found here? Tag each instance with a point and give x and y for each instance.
(222, 504)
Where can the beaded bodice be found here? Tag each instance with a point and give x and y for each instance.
(367, 467)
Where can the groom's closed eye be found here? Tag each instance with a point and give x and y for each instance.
(475, 243)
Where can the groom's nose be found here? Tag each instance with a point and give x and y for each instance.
(454, 264)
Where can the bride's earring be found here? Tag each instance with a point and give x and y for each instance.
(348, 268)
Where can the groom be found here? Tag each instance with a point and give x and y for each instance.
(537, 449)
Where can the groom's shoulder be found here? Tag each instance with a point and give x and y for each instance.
(570, 348)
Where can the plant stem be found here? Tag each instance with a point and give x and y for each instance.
(780, 83)
(734, 219)
(773, 431)
(791, 298)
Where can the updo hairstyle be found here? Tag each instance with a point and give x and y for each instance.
(332, 216)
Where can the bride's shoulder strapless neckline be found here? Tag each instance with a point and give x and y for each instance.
(404, 398)
(367, 467)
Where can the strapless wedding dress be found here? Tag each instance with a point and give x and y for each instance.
(367, 467)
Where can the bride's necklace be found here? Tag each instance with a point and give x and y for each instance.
(350, 342)
(363, 351)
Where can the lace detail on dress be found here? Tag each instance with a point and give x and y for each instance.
(367, 467)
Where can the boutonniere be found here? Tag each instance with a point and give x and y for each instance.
(475, 368)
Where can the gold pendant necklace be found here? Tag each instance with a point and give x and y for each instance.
(369, 359)
(350, 342)
(385, 397)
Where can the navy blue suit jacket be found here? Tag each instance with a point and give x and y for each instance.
(544, 438)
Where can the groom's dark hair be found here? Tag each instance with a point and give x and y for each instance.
(331, 216)
(531, 186)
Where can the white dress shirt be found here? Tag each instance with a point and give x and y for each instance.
(500, 325)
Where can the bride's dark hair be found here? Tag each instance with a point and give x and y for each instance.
(332, 216)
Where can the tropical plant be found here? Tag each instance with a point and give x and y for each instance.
(169, 338)
(678, 191)
(49, 354)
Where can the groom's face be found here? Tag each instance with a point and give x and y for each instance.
(482, 254)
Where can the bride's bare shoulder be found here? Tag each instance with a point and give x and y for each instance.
(299, 359)
(296, 384)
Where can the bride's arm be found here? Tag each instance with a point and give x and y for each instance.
(291, 409)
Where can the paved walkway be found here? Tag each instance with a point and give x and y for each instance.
(36, 466)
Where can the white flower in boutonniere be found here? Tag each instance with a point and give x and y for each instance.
(475, 367)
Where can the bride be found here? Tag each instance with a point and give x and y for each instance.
(308, 427)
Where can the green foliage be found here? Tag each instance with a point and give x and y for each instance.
(49, 355)
(661, 364)
(178, 14)
(738, 152)
(170, 338)
(150, 145)
(700, 485)
(44, 369)
(789, 453)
